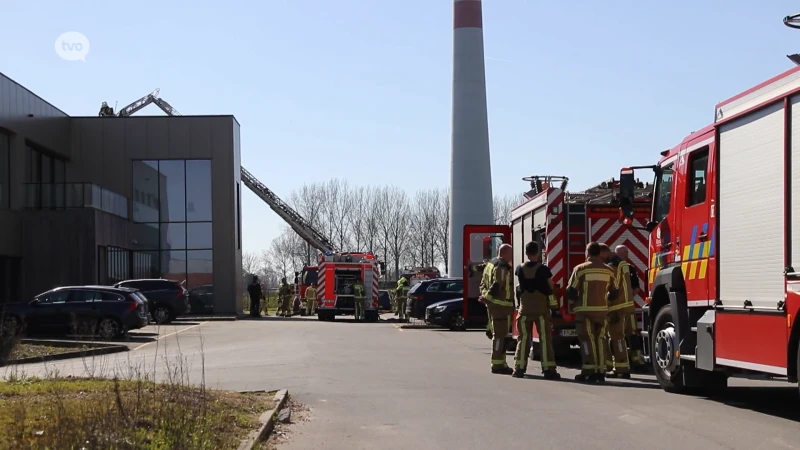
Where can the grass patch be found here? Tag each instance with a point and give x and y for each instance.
(74, 413)
(21, 351)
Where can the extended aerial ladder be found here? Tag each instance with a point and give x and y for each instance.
(300, 226)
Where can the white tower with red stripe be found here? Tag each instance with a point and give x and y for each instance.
(470, 166)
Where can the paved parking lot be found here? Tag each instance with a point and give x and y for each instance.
(137, 339)
(375, 386)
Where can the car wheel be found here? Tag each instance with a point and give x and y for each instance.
(457, 322)
(666, 363)
(109, 328)
(162, 315)
(85, 328)
(11, 326)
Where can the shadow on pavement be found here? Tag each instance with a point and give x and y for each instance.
(175, 323)
(777, 401)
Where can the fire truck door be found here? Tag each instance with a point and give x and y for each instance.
(475, 252)
(692, 202)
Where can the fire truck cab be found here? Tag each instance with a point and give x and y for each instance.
(724, 243)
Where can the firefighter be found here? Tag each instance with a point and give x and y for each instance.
(616, 364)
(477, 269)
(311, 300)
(498, 295)
(358, 300)
(629, 313)
(590, 287)
(401, 299)
(254, 291)
(397, 294)
(284, 299)
(536, 300)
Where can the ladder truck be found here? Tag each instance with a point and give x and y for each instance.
(562, 223)
(334, 267)
(724, 243)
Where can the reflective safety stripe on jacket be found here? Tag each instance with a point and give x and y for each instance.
(593, 281)
(622, 284)
(311, 294)
(497, 271)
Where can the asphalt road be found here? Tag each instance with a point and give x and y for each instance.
(374, 386)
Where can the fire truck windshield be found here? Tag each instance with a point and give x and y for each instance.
(663, 197)
(309, 277)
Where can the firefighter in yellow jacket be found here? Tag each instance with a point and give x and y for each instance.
(284, 299)
(616, 364)
(536, 300)
(477, 269)
(401, 298)
(629, 313)
(358, 300)
(590, 287)
(497, 293)
(311, 300)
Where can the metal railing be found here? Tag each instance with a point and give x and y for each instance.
(75, 195)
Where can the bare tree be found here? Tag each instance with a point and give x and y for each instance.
(309, 202)
(442, 227)
(341, 209)
(394, 208)
(359, 204)
(502, 207)
(421, 249)
(249, 263)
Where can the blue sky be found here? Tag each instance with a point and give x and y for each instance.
(362, 89)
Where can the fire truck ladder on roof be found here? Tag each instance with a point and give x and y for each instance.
(606, 193)
(286, 212)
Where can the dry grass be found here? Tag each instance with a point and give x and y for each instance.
(121, 414)
(21, 351)
(125, 408)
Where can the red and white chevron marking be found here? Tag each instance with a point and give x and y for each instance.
(375, 286)
(556, 237)
(613, 233)
(321, 281)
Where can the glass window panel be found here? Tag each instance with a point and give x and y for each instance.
(59, 171)
(198, 235)
(198, 189)
(199, 268)
(145, 191)
(146, 236)
(173, 265)
(145, 265)
(47, 169)
(172, 191)
(5, 170)
(173, 236)
(35, 165)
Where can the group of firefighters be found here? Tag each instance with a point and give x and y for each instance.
(600, 293)
(285, 305)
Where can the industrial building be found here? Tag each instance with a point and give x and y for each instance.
(95, 200)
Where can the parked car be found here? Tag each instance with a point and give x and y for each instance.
(428, 292)
(450, 314)
(167, 299)
(85, 310)
(384, 300)
(201, 299)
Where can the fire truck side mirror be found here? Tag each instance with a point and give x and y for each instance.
(383, 266)
(627, 192)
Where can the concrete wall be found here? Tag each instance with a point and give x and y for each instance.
(60, 256)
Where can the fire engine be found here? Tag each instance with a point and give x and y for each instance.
(415, 275)
(724, 290)
(563, 223)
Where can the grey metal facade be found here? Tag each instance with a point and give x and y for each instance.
(60, 246)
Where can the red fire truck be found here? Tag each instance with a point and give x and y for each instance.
(335, 277)
(724, 291)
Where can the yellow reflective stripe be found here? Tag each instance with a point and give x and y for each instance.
(590, 309)
(523, 358)
(619, 306)
(597, 277)
(500, 302)
(543, 337)
(601, 348)
(551, 300)
(593, 345)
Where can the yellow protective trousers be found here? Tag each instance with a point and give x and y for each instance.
(543, 324)
(499, 318)
(592, 338)
(617, 359)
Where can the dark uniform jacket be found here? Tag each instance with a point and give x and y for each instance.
(535, 289)
(254, 291)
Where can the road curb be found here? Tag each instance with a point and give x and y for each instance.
(206, 319)
(99, 349)
(267, 422)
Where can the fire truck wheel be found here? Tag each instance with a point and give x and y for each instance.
(666, 363)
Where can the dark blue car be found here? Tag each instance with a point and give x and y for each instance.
(83, 310)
